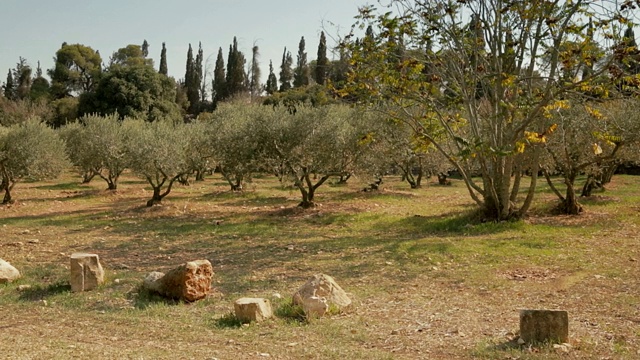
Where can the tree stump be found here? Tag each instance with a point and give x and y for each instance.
(86, 272)
(539, 326)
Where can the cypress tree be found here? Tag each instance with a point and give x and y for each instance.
(9, 87)
(254, 79)
(219, 80)
(163, 61)
(190, 82)
(236, 77)
(145, 48)
(286, 74)
(301, 73)
(322, 63)
(272, 82)
(199, 80)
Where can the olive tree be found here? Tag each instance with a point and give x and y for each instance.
(478, 75)
(96, 146)
(311, 145)
(29, 150)
(158, 153)
(236, 142)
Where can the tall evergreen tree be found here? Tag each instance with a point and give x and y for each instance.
(286, 74)
(145, 48)
(254, 79)
(164, 70)
(199, 79)
(22, 77)
(322, 62)
(40, 86)
(301, 73)
(219, 79)
(236, 77)
(192, 87)
(272, 82)
(9, 86)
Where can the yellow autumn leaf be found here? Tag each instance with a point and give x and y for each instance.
(597, 150)
(520, 147)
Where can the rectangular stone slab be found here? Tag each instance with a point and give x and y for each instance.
(540, 326)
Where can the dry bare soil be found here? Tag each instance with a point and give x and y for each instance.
(427, 281)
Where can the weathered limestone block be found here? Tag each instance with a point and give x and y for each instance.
(537, 326)
(319, 293)
(8, 273)
(314, 306)
(252, 309)
(86, 272)
(190, 281)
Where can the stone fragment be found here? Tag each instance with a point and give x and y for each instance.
(252, 309)
(315, 306)
(539, 326)
(319, 293)
(8, 273)
(190, 281)
(86, 272)
(322, 285)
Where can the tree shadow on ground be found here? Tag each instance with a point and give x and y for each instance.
(143, 299)
(40, 292)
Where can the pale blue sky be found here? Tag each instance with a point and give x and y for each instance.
(35, 29)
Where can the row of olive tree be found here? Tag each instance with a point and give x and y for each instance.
(304, 147)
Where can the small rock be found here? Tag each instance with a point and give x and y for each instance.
(23, 287)
(117, 281)
(318, 293)
(277, 296)
(8, 273)
(252, 309)
(33, 241)
(521, 341)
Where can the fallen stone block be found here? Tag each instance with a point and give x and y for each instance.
(540, 326)
(8, 273)
(319, 293)
(252, 309)
(86, 272)
(189, 282)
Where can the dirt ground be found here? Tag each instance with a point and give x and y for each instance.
(424, 284)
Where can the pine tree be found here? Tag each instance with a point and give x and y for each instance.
(145, 48)
(322, 63)
(254, 78)
(9, 87)
(301, 73)
(163, 61)
(286, 74)
(272, 82)
(219, 80)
